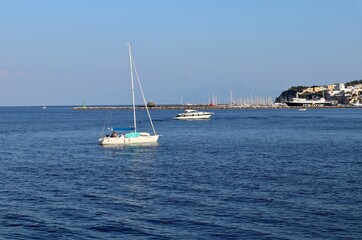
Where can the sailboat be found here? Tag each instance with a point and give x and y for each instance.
(124, 136)
(44, 107)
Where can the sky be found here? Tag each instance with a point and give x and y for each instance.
(64, 52)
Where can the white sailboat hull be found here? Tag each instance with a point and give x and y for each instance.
(127, 141)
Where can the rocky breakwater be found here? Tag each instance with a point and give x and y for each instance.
(183, 107)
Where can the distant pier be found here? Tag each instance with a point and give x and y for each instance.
(175, 107)
(200, 106)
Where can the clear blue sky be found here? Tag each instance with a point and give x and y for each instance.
(73, 50)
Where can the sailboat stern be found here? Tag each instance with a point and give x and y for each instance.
(141, 138)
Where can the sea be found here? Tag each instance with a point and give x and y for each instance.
(243, 174)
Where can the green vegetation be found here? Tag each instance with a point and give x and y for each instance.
(355, 82)
(297, 88)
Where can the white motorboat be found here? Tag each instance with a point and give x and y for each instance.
(124, 136)
(193, 114)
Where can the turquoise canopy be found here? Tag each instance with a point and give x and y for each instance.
(133, 135)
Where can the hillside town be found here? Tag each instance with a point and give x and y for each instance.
(333, 95)
(349, 93)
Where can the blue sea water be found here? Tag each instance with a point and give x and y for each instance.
(245, 174)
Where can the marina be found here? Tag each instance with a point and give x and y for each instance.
(214, 120)
(206, 106)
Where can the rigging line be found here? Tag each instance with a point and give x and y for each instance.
(104, 125)
(108, 117)
(143, 96)
(107, 120)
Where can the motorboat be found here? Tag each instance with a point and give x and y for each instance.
(193, 114)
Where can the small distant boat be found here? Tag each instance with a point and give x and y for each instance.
(124, 136)
(302, 109)
(193, 114)
(357, 104)
(44, 107)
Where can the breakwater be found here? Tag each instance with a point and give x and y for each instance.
(200, 106)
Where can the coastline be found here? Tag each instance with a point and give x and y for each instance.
(200, 106)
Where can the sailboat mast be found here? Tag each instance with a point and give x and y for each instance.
(132, 84)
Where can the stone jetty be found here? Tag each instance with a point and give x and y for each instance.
(201, 106)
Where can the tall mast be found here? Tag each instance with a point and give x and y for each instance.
(133, 101)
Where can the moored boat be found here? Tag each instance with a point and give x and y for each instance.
(357, 104)
(309, 102)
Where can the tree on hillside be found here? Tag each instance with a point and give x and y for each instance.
(353, 83)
